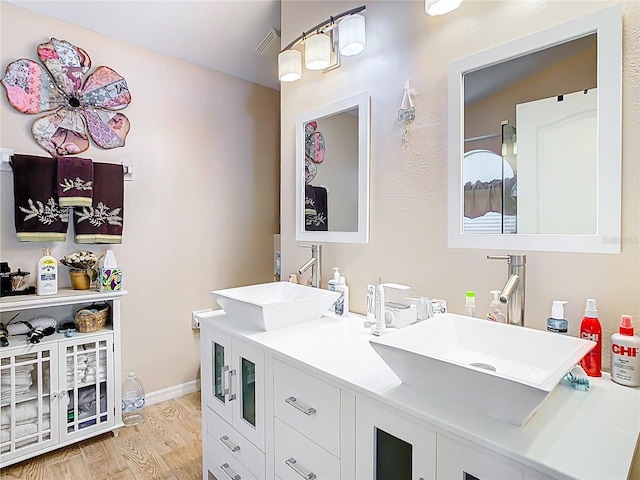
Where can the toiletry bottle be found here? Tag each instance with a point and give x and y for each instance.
(496, 309)
(380, 325)
(590, 329)
(470, 304)
(556, 323)
(371, 303)
(342, 304)
(47, 275)
(333, 284)
(625, 355)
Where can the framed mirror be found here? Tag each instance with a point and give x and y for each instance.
(535, 140)
(332, 172)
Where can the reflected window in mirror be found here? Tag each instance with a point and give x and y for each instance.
(534, 140)
(332, 172)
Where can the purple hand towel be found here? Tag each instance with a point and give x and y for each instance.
(102, 221)
(38, 216)
(75, 181)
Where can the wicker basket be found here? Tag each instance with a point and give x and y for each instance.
(88, 321)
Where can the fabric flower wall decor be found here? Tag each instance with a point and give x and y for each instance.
(78, 106)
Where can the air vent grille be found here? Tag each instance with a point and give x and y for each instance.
(270, 44)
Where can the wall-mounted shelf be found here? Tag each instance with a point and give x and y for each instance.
(5, 166)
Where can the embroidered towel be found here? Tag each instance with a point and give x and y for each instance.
(38, 216)
(75, 180)
(102, 221)
(316, 214)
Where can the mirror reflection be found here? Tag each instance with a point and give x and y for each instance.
(530, 150)
(331, 172)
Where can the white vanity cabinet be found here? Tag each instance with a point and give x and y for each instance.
(307, 425)
(63, 389)
(233, 392)
(390, 445)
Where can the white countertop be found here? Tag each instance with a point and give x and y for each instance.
(581, 435)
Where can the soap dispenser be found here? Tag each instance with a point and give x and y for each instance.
(496, 308)
(332, 285)
(342, 304)
(556, 323)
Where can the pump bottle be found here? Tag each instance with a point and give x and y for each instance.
(556, 323)
(342, 304)
(625, 355)
(47, 281)
(333, 284)
(590, 329)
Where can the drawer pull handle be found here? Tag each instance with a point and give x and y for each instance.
(229, 445)
(292, 464)
(229, 473)
(293, 402)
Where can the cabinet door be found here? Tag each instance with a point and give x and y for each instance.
(392, 447)
(86, 385)
(216, 372)
(458, 461)
(247, 391)
(28, 398)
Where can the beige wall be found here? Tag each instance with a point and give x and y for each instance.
(408, 182)
(202, 209)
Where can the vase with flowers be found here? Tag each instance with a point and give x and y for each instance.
(82, 268)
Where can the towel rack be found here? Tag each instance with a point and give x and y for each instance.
(5, 166)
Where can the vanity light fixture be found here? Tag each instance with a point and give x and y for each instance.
(440, 7)
(343, 34)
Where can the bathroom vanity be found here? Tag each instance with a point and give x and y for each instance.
(314, 400)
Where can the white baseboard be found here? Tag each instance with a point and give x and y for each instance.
(170, 393)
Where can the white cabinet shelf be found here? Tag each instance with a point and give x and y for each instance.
(62, 389)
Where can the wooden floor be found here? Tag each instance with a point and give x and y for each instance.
(167, 446)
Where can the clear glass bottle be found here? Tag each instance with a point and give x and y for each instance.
(132, 401)
(470, 304)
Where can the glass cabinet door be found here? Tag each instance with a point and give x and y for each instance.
(218, 371)
(28, 400)
(248, 411)
(86, 384)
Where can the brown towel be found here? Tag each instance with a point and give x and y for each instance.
(102, 221)
(38, 217)
(75, 180)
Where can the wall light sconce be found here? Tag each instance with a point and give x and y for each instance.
(343, 34)
(440, 7)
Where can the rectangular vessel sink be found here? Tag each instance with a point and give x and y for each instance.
(503, 370)
(274, 305)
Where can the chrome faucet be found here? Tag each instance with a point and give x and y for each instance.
(512, 293)
(315, 263)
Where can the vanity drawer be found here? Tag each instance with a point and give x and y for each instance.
(297, 456)
(234, 445)
(224, 466)
(308, 404)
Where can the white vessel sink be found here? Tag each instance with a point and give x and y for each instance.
(274, 305)
(503, 370)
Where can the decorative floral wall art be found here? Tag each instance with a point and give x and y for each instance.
(79, 105)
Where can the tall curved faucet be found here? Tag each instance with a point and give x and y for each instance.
(512, 293)
(315, 263)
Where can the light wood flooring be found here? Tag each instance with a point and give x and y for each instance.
(167, 446)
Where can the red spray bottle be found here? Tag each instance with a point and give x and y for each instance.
(590, 329)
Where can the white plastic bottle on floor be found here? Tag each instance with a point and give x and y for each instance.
(132, 401)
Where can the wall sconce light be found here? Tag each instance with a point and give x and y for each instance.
(440, 7)
(343, 34)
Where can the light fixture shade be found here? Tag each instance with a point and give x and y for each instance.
(351, 36)
(440, 7)
(317, 52)
(290, 65)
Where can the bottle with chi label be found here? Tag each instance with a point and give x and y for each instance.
(625, 359)
(590, 329)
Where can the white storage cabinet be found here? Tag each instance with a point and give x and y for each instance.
(233, 390)
(63, 389)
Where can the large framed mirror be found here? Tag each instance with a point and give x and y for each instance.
(332, 172)
(535, 140)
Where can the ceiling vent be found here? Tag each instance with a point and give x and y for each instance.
(270, 44)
